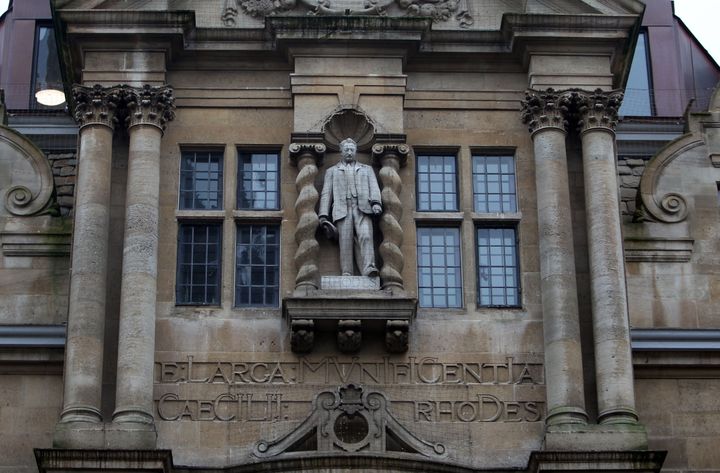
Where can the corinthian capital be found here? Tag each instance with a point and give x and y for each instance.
(149, 105)
(545, 109)
(96, 105)
(596, 109)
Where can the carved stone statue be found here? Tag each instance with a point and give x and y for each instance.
(352, 192)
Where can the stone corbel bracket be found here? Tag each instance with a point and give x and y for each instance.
(333, 411)
(350, 318)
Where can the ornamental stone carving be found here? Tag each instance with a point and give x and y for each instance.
(545, 109)
(149, 105)
(597, 109)
(437, 10)
(349, 335)
(97, 105)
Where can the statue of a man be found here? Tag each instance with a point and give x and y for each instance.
(352, 191)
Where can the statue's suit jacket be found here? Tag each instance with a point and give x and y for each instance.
(335, 190)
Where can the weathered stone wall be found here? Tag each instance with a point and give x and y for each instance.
(630, 169)
(64, 173)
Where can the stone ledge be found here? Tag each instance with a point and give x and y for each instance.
(596, 438)
(110, 435)
(60, 461)
(610, 461)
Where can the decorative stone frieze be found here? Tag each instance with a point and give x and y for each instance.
(597, 109)
(438, 10)
(391, 157)
(306, 157)
(149, 105)
(349, 335)
(546, 109)
(97, 105)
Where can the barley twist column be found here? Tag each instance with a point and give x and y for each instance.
(150, 108)
(611, 331)
(391, 157)
(545, 114)
(95, 113)
(307, 157)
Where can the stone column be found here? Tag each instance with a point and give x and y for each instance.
(544, 113)
(149, 109)
(391, 156)
(95, 113)
(613, 361)
(307, 156)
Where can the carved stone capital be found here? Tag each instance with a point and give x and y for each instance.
(545, 109)
(302, 335)
(399, 151)
(149, 105)
(302, 150)
(396, 336)
(349, 336)
(96, 105)
(597, 109)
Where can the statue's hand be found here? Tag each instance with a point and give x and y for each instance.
(377, 209)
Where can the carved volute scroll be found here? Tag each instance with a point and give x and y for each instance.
(350, 419)
(27, 173)
(438, 10)
(391, 157)
(97, 105)
(545, 109)
(149, 105)
(306, 156)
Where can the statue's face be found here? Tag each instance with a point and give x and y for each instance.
(348, 150)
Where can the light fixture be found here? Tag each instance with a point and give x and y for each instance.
(50, 97)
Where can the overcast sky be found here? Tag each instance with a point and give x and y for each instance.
(699, 15)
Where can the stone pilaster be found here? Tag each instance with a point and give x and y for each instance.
(391, 156)
(150, 108)
(306, 156)
(545, 112)
(95, 113)
(597, 116)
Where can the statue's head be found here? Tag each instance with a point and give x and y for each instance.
(348, 148)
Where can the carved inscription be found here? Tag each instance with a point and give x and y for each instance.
(493, 390)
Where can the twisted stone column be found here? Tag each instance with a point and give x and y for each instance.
(150, 108)
(545, 114)
(307, 157)
(391, 157)
(597, 113)
(95, 113)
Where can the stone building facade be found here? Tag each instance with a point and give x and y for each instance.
(517, 324)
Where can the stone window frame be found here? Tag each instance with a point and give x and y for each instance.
(229, 217)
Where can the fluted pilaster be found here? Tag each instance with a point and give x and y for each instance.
(307, 157)
(391, 156)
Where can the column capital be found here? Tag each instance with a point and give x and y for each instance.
(399, 151)
(597, 109)
(543, 109)
(299, 150)
(96, 105)
(148, 105)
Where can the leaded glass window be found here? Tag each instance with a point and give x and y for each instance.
(498, 276)
(198, 270)
(258, 181)
(436, 183)
(201, 180)
(439, 268)
(257, 265)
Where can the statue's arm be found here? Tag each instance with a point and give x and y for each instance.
(326, 195)
(375, 196)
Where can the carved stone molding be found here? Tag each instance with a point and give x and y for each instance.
(97, 105)
(350, 418)
(307, 157)
(149, 105)
(597, 109)
(438, 10)
(397, 336)
(391, 157)
(349, 335)
(546, 109)
(302, 335)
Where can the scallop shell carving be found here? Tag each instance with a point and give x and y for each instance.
(349, 123)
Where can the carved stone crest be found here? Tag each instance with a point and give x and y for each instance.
(438, 10)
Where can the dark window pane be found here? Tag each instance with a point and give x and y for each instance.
(638, 93)
(498, 277)
(198, 271)
(436, 183)
(439, 273)
(258, 178)
(494, 184)
(201, 180)
(257, 271)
